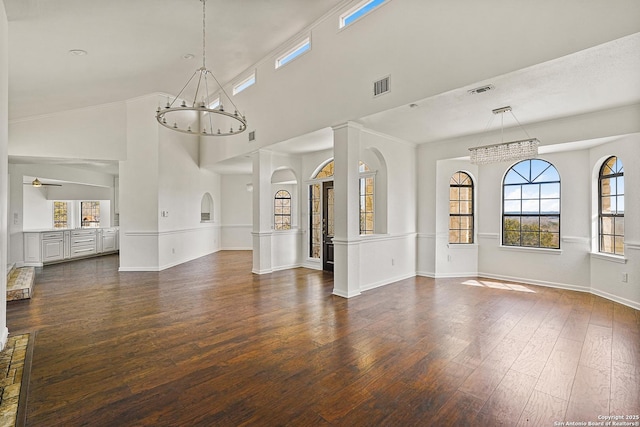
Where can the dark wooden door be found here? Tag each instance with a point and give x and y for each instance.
(327, 225)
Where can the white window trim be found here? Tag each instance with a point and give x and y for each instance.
(306, 41)
(245, 83)
(354, 10)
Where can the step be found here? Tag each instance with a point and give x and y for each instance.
(20, 283)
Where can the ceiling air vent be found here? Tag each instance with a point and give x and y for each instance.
(481, 89)
(252, 135)
(381, 86)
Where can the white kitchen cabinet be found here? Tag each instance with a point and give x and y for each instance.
(52, 246)
(109, 240)
(32, 249)
(83, 242)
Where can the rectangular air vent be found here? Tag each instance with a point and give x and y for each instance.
(381, 86)
(481, 89)
(252, 135)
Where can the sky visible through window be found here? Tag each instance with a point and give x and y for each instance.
(304, 47)
(363, 10)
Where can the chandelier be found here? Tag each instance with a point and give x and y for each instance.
(200, 116)
(505, 151)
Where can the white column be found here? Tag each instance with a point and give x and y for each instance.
(262, 205)
(346, 175)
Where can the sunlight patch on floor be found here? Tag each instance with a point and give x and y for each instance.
(497, 285)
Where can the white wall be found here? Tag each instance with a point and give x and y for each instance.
(138, 188)
(453, 260)
(352, 58)
(181, 185)
(236, 212)
(97, 132)
(4, 172)
(606, 273)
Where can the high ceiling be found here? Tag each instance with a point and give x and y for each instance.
(138, 47)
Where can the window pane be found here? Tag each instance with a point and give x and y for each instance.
(619, 248)
(513, 177)
(454, 236)
(531, 206)
(465, 207)
(512, 207)
(512, 192)
(550, 223)
(550, 191)
(606, 244)
(530, 223)
(608, 204)
(466, 193)
(531, 191)
(607, 186)
(530, 239)
(606, 225)
(464, 222)
(550, 240)
(620, 184)
(454, 222)
(619, 224)
(454, 207)
(620, 204)
(466, 236)
(512, 224)
(548, 206)
(454, 193)
(511, 238)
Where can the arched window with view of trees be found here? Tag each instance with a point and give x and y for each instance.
(460, 208)
(611, 207)
(282, 210)
(531, 205)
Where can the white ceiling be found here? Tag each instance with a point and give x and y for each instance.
(136, 47)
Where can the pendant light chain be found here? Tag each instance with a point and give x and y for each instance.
(204, 34)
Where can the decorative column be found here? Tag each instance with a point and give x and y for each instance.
(346, 176)
(262, 205)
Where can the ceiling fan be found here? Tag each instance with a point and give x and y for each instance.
(36, 183)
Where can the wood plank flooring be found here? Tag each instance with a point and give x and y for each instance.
(208, 343)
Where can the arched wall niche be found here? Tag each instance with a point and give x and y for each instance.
(206, 208)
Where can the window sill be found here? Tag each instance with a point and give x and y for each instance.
(611, 258)
(532, 250)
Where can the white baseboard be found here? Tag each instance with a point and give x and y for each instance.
(426, 274)
(616, 298)
(387, 281)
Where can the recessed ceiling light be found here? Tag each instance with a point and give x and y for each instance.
(77, 52)
(188, 56)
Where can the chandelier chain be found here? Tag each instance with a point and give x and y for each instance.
(204, 34)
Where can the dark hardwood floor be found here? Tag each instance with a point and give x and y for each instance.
(208, 343)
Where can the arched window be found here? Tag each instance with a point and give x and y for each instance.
(206, 208)
(282, 210)
(461, 208)
(531, 205)
(611, 207)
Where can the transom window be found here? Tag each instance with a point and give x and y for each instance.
(282, 210)
(531, 205)
(249, 81)
(293, 53)
(611, 207)
(359, 11)
(60, 215)
(461, 208)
